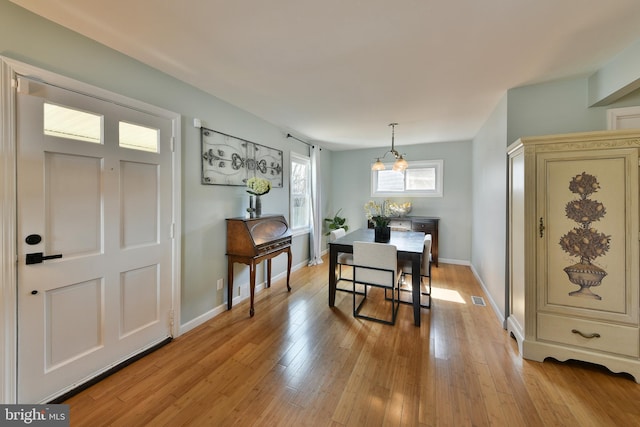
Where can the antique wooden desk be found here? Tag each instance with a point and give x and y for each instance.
(253, 240)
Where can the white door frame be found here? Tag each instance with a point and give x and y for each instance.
(9, 68)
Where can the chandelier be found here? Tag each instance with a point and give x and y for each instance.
(400, 164)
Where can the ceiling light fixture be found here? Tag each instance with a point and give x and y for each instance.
(400, 164)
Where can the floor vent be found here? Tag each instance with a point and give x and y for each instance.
(478, 301)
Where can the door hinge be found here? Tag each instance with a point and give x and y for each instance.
(173, 144)
(172, 230)
(171, 318)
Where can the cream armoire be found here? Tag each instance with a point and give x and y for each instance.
(574, 248)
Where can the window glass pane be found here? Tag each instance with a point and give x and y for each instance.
(300, 192)
(299, 178)
(63, 122)
(421, 179)
(138, 137)
(390, 180)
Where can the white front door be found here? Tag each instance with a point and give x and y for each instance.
(94, 190)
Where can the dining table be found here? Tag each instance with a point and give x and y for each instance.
(409, 245)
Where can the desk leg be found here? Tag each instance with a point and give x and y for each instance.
(288, 268)
(333, 263)
(269, 273)
(229, 283)
(252, 284)
(415, 284)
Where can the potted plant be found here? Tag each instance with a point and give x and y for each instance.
(585, 241)
(380, 215)
(335, 223)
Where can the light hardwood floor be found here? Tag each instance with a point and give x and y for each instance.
(300, 363)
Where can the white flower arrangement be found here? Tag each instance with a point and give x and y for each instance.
(258, 186)
(379, 213)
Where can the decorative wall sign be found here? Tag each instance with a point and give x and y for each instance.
(227, 160)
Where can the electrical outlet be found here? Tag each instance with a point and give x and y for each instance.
(220, 284)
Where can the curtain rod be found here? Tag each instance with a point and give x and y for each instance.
(298, 139)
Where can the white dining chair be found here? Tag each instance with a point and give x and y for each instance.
(344, 259)
(425, 276)
(375, 265)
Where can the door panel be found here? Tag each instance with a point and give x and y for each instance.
(78, 308)
(140, 216)
(139, 290)
(104, 202)
(73, 199)
(560, 206)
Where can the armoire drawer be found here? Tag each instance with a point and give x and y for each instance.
(612, 338)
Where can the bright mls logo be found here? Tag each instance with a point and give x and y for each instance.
(34, 415)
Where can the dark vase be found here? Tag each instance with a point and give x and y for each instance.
(382, 234)
(258, 206)
(255, 206)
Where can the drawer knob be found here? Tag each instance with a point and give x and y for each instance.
(588, 336)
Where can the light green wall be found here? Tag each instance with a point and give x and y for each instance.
(489, 205)
(31, 39)
(620, 77)
(557, 107)
(351, 189)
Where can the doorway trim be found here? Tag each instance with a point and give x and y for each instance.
(9, 69)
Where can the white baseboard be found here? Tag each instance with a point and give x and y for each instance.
(493, 304)
(453, 261)
(244, 294)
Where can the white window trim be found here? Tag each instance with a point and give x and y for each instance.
(298, 231)
(438, 192)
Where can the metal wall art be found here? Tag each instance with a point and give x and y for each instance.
(227, 160)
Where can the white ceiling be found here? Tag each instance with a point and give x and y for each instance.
(339, 71)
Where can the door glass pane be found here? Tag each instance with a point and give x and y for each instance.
(138, 137)
(63, 122)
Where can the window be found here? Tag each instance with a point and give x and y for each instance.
(138, 137)
(420, 179)
(300, 188)
(64, 122)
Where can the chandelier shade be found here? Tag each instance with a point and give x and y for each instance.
(378, 165)
(400, 164)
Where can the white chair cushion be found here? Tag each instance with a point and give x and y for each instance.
(343, 258)
(426, 258)
(380, 256)
(336, 234)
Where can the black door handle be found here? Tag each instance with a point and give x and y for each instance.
(38, 257)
